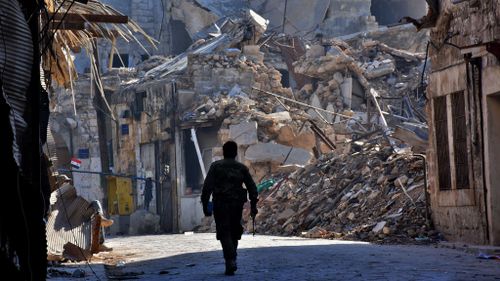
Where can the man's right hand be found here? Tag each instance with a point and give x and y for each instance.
(254, 211)
(206, 211)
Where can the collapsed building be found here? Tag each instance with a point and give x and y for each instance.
(175, 24)
(297, 107)
(170, 116)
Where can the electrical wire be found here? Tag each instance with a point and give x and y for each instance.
(162, 19)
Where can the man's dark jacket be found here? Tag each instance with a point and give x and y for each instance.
(225, 181)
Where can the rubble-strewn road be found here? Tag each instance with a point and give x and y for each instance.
(198, 257)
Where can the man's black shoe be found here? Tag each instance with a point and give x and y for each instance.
(230, 267)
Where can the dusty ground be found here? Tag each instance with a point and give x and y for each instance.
(198, 257)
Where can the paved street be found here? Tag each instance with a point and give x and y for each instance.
(198, 257)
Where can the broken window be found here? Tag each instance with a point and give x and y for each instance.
(139, 104)
(120, 60)
(460, 140)
(124, 129)
(442, 149)
(179, 33)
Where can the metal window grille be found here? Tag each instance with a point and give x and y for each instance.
(442, 149)
(460, 140)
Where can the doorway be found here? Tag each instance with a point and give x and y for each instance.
(493, 176)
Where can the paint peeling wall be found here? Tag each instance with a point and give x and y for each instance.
(143, 121)
(466, 215)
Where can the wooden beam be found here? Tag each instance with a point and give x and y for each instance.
(67, 25)
(78, 18)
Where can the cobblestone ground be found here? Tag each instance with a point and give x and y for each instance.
(199, 257)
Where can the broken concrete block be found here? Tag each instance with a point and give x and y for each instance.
(223, 135)
(144, 222)
(386, 230)
(251, 50)
(279, 116)
(286, 135)
(273, 152)
(373, 195)
(351, 216)
(401, 181)
(379, 69)
(244, 133)
(379, 227)
(285, 215)
(338, 77)
(315, 232)
(315, 101)
(346, 91)
(329, 117)
(305, 140)
(315, 51)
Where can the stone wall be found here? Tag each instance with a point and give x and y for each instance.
(469, 213)
(79, 132)
(348, 16)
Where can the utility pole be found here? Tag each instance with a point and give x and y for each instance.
(99, 105)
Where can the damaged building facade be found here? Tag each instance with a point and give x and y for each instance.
(464, 110)
(173, 122)
(175, 24)
(169, 116)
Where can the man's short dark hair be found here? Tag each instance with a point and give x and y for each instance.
(230, 149)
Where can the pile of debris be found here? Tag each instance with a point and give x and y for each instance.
(344, 75)
(353, 189)
(212, 74)
(369, 194)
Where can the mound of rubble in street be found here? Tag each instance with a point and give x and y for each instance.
(370, 194)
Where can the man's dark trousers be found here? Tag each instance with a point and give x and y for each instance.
(227, 216)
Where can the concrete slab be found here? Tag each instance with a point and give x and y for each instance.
(244, 133)
(273, 152)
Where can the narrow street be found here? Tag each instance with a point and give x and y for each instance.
(198, 257)
(359, 138)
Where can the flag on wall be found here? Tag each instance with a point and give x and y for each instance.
(76, 163)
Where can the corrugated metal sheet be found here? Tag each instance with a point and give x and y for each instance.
(69, 222)
(16, 58)
(51, 147)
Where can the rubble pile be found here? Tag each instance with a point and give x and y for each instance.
(230, 79)
(258, 122)
(344, 74)
(369, 194)
(357, 191)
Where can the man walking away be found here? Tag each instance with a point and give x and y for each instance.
(224, 181)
